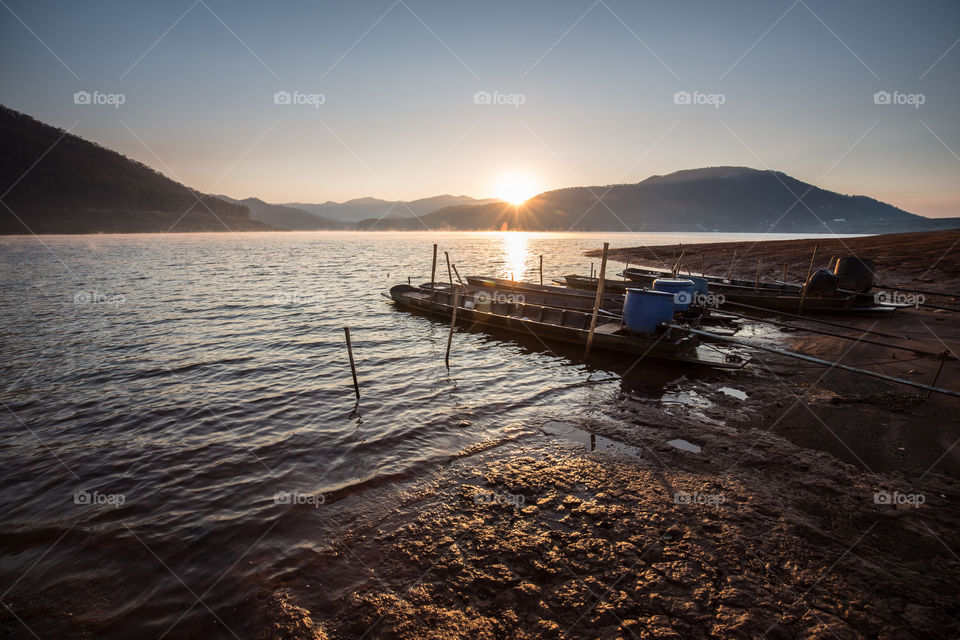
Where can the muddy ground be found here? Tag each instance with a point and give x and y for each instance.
(794, 502)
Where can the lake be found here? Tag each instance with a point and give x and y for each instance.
(179, 427)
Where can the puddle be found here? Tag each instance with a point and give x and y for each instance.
(733, 393)
(591, 441)
(683, 444)
(687, 398)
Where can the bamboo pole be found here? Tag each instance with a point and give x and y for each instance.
(433, 278)
(756, 285)
(409, 284)
(541, 269)
(459, 279)
(353, 367)
(803, 292)
(732, 260)
(598, 301)
(784, 278)
(830, 363)
(453, 321)
(449, 273)
(626, 266)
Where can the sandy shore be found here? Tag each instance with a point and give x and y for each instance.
(820, 504)
(923, 260)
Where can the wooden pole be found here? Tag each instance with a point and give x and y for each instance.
(409, 284)
(598, 301)
(433, 278)
(541, 269)
(627, 266)
(784, 278)
(449, 273)
(803, 292)
(453, 321)
(460, 280)
(756, 285)
(353, 367)
(732, 260)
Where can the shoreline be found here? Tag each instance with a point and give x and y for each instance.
(819, 504)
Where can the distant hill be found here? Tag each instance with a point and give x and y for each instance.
(286, 217)
(77, 186)
(365, 208)
(736, 199)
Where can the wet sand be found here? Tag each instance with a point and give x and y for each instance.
(794, 502)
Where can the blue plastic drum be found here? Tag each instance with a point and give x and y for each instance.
(645, 309)
(681, 288)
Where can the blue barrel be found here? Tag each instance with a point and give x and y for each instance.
(644, 309)
(700, 286)
(681, 288)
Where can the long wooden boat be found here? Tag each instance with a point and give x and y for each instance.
(548, 295)
(774, 296)
(585, 283)
(549, 323)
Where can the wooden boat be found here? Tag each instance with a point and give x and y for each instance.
(550, 323)
(772, 296)
(586, 283)
(548, 295)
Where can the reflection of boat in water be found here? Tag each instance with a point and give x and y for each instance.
(476, 305)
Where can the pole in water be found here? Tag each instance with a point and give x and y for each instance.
(784, 278)
(453, 321)
(598, 300)
(732, 260)
(353, 367)
(449, 273)
(408, 282)
(803, 292)
(457, 273)
(541, 269)
(433, 278)
(756, 285)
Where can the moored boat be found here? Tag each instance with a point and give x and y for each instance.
(476, 306)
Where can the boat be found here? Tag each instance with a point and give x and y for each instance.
(590, 284)
(475, 306)
(771, 296)
(548, 295)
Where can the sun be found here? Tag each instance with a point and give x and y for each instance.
(516, 188)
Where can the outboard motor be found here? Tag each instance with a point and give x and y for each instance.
(855, 274)
(821, 283)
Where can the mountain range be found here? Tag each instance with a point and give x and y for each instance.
(55, 182)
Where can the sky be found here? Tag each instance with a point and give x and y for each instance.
(401, 99)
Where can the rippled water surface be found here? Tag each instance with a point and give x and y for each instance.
(176, 407)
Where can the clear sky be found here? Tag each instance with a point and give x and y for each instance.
(580, 92)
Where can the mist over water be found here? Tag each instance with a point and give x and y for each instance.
(179, 421)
